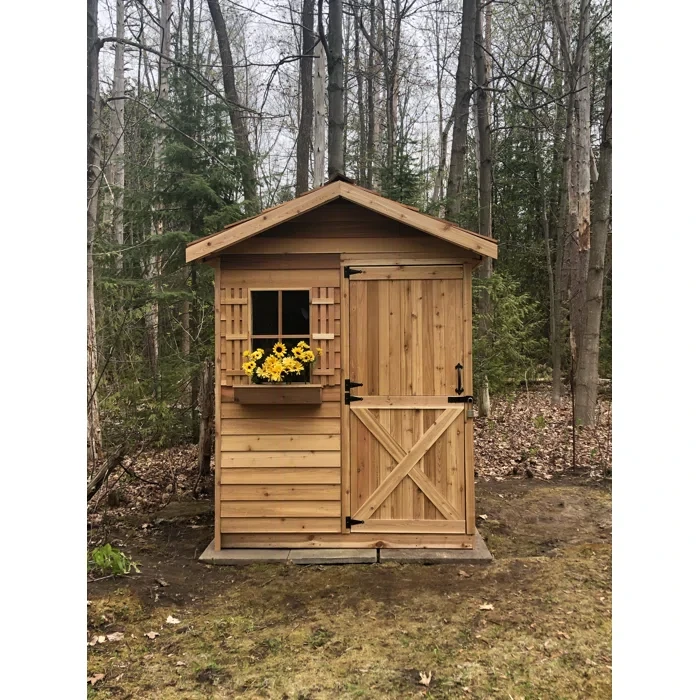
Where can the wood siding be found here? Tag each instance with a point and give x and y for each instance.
(280, 477)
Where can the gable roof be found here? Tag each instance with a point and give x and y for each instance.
(340, 188)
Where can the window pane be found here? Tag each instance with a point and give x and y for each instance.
(265, 313)
(295, 312)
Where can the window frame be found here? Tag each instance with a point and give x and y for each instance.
(280, 336)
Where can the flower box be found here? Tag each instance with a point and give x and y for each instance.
(278, 394)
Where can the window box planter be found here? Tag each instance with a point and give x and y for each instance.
(277, 394)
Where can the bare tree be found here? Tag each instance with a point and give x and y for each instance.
(320, 115)
(307, 98)
(115, 168)
(482, 70)
(94, 432)
(336, 117)
(236, 112)
(587, 379)
(462, 97)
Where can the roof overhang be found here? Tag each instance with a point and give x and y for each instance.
(243, 230)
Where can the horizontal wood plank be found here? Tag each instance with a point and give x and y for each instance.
(402, 402)
(287, 394)
(352, 539)
(280, 509)
(303, 411)
(394, 246)
(280, 492)
(262, 525)
(412, 526)
(280, 426)
(281, 279)
(410, 272)
(267, 443)
(267, 460)
(280, 475)
(288, 262)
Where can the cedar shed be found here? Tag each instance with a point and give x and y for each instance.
(374, 446)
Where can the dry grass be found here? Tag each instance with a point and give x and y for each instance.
(275, 631)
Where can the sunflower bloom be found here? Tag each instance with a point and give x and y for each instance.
(280, 349)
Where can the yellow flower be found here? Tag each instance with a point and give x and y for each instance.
(319, 351)
(307, 356)
(303, 345)
(297, 351)
(280, 349)
(257, 355)
(246, 353)
(249, 368)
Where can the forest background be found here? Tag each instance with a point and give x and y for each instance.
(495, 115)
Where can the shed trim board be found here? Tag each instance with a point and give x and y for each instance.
(242, 230)
(392, 468)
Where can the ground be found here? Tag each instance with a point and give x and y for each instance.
(536, 623)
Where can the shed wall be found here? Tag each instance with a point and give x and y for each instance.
(279, 465)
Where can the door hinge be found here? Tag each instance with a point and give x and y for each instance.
(347, 271)
(349, 522)
(349, 398)
(351, 385)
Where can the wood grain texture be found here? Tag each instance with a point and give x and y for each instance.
(280, 492)
(267, 443)
(280, 509)
(284, 525)
(280, 475)
(352, 539)
(296, 208)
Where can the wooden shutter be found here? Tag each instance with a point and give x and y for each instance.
(234, 334)
(325, 333)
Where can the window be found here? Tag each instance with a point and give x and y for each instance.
(280, 315)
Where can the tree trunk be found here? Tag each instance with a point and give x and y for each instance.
(206, 417)
(307, 98)
(236, 112)
(362, 156)
(462, 95)
(94, 431)
(336, 118)
(580, 189)
(482, 50)
(115, 171)
(371, 120)
(319, 135)
(587, 379)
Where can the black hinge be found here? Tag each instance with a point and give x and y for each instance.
(349, 398)
(349, 522)
(347, 271)
(460, 399)
(351, 385)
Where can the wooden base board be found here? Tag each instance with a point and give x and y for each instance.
(358, 541)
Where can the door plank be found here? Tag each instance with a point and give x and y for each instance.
(408, 462)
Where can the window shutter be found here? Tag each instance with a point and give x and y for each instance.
(325, 333)
(234, 334)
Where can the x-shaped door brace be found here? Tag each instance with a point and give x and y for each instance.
(407, 462)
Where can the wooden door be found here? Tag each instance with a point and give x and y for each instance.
(407, 448)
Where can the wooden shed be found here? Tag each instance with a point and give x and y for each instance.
(374, 447)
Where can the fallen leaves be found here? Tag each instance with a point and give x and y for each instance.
(95, 678)
(162, 582)
(463, 574)
(101, 639)
(425, 678)
(172, 620)
(486, 606)
(152, 635)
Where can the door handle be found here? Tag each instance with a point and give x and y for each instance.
(460, 388)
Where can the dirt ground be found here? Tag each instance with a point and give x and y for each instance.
(534, 624)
